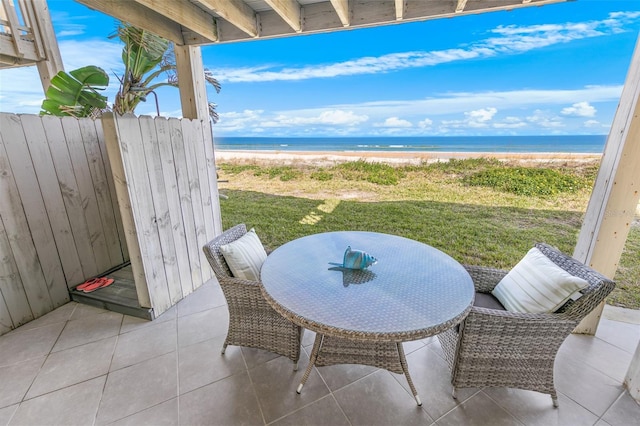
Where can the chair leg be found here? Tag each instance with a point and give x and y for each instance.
(454, 393)
(554, 398)
(224, 348)
(295, 366)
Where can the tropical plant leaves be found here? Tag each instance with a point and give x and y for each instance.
(75, 93)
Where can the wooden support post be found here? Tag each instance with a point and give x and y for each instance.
(192, 85)
(616, 191)
(632, 379)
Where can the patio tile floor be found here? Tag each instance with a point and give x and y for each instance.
(80, 365)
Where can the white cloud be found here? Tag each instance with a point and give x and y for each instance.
(545, 119)
(461, 102)
(257, 119)
(579, 109)
(510, 39)
(480, 117)
(425, 124)
(233, 121)
(394, 122)
(460, 111)
(510, 123)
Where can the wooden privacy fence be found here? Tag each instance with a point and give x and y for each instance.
(59, 219)
(165, 176)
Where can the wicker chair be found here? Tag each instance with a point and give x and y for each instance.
(252, 321)
(499, 348)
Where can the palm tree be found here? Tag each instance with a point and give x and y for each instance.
(146, 57)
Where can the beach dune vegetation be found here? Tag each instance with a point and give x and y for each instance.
(527, 181)
(480, 223)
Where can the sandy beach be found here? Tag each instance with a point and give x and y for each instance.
(394, 157)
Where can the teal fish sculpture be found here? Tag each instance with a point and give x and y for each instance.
(355, 259)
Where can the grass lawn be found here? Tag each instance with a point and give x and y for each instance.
(479, 211)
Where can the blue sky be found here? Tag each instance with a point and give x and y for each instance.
(556, 69)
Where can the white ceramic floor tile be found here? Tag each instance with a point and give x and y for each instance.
(146, 343)
(75, 365)
(61, 314)
(88, 329)
(73, 405)
(138, 387)
(536, 409)
(208, 296)
(164, 414)
(231, 401)
(378, 399)
(6, 414)
(16, 380)
(625, 411)
(203, 325)
(276, 382)
(324, 412)
(620, 334)
(432, 379)
(21, 345)
(479, 410)
(585, 385)
(601, 355)
(202, 363)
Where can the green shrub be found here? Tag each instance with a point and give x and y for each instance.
(321, 175)
(464, 165)
(235, 169)
(285, 173)
(378, 173)
(526, 181)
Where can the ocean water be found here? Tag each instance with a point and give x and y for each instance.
(571, 144)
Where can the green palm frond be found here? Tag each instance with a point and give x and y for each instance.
(146, 58)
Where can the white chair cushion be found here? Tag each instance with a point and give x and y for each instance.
(245, 256)
(537, 285)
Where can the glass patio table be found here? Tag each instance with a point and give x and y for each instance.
(363, 316)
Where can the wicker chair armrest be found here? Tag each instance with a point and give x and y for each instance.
(485, 279)
(238, 281)
(480, 320)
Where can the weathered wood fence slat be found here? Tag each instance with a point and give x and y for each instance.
(163, 169)
(59, 220)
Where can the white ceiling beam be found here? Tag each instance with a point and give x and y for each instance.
(461, 5)
(186, 14)
(289, 10)
(235, 12)
(139, 16)
(399, 10)
(342, 9)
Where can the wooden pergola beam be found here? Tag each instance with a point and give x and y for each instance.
(342, 9)
(48, 43)
(139, 16)
(236, 12)
(186, 14)
(399, 10)
(289, 10)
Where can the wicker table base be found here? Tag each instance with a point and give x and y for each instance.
(329, 350)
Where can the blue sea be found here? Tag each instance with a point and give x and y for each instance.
(569, 144)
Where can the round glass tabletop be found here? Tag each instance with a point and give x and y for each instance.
(413, 291)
